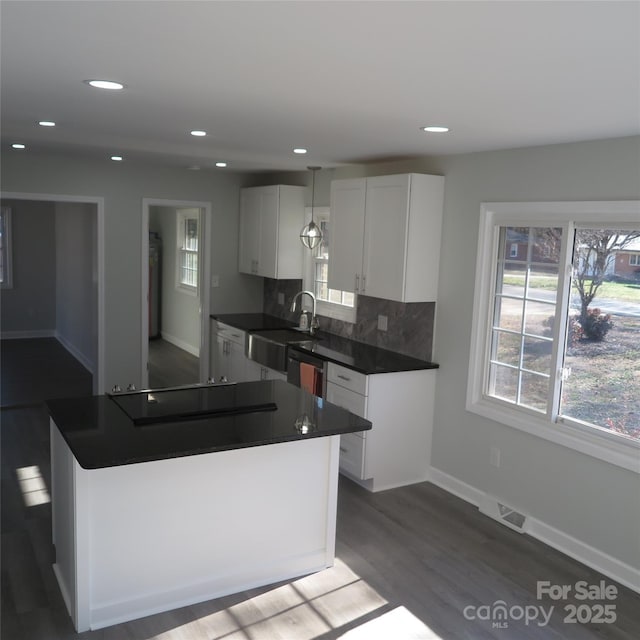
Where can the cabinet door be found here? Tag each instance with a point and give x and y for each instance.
(218, 364)
(385, 237)
(237, 362)
(346, 233)
(268, 243)
(253, 371)
(249, 231)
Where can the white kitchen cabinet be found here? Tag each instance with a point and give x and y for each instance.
(397, 450)
(269, 236)
(228, 357)
(385, 236)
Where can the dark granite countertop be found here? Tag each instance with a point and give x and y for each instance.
(362, 357)
(101, 431)
(252, 321)
(358, 356)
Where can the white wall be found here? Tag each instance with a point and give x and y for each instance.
(591, 501)
(77, 280)
(123, 186)
(29, 307)
(180, 317)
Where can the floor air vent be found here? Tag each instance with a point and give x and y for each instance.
(495, 509)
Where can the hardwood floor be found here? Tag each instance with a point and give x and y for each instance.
(170, 366)
(410, 562)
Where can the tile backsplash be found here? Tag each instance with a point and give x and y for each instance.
(409, 325)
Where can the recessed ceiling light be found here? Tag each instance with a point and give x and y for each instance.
(47, 123)
(105, 84)
(300, 150)
(198, 133)
(18, 145)
(435, 129)
(116, 158)
(221, 164)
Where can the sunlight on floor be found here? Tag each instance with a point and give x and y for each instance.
(399, 623)
(34, 491)
(308, 608)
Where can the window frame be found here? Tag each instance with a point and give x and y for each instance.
(181, 219)
(324, 308)
(634, 259)
(7, 250)
(572, 433)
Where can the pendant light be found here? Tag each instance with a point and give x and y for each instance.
(311, 235)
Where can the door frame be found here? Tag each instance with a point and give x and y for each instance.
(204, 277)
(97, 375)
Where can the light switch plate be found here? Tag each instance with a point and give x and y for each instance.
(215, 281)
(281, 298)
(382, 323)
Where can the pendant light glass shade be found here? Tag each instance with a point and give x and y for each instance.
(311, 235)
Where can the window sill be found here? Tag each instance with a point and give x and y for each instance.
(336, 311)
(591, 441)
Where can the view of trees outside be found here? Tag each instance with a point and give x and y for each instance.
(602, 353)
(601, 381)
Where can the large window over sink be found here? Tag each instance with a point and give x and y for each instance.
(556, 337)
(332, 303)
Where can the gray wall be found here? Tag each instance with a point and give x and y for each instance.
(29, 308)
(593, 501)
(77, 280)
(179, 318)
(123, 186)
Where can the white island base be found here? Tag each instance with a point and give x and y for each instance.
(138, 539)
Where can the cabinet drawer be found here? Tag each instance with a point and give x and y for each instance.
(226, 332)
(347, 378)
(347, 399)
(352, 452)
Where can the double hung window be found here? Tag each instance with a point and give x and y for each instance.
(188, 236)
(6, 280)
(556, 336)
(333, 303)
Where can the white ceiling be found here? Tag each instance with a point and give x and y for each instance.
(350, 81)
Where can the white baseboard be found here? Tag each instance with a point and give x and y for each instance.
(20, 335)
(590, 556)
(78, 355)
(181, 344)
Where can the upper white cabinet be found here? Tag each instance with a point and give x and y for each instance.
(385, 236)
(270, 222)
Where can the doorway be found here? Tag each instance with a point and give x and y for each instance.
(79, 278)
(175, 292)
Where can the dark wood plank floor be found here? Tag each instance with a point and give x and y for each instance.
(170, 366)
(409, 561)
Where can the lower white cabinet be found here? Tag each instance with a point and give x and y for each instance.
(227, 357)
(397, 450)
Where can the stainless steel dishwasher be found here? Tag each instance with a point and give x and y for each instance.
(293, 369)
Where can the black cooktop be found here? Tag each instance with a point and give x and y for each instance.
(189, 403)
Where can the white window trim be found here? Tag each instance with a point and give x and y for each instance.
(634, 259)
(587, 439)
(182, 215)
(323, 308)
(8, 250)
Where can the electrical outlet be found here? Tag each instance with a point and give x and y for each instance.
(494, 457)
(281, 298)
(382, 323)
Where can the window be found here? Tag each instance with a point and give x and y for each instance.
(332, 303)
(634, 259)
(6, 276)
(188, 235)
(556, 337)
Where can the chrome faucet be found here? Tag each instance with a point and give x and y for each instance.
(313, 325)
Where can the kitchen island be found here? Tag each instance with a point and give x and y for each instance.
(170, 497)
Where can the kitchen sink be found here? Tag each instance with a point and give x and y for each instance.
(269, 347)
